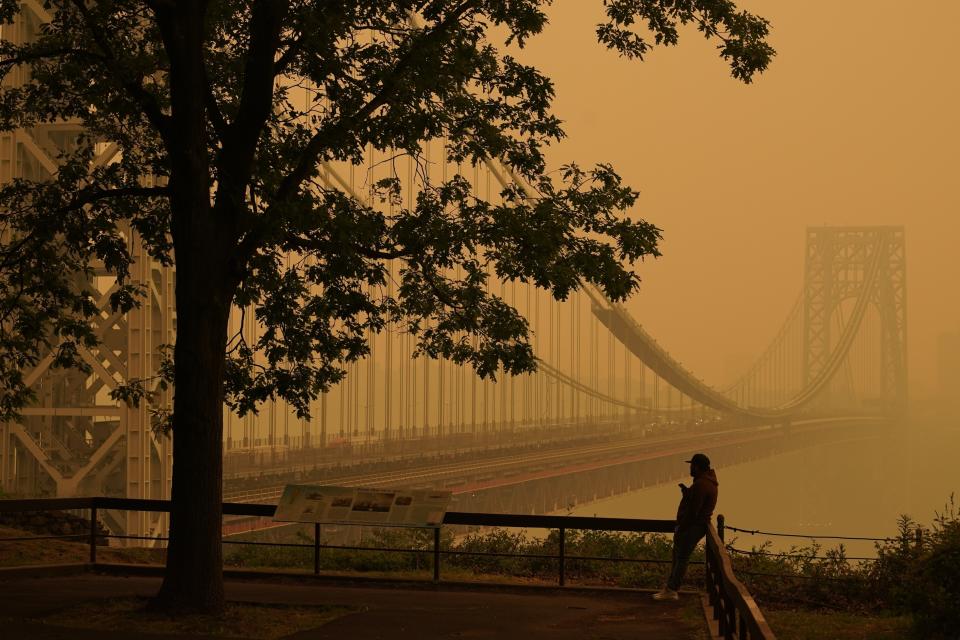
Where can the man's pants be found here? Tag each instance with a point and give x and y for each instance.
(684, 542)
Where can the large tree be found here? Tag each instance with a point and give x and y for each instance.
(218, 173)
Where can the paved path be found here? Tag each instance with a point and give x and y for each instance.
(381, 611)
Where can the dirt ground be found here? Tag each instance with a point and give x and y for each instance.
(374, 611)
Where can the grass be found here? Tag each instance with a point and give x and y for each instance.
(528, 563)
(788, 621)
(240, 620)
(28, 552)
(797, 624)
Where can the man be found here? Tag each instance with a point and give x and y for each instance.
(693, 515)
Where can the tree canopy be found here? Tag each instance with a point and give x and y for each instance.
(376, 78)
(218, 171)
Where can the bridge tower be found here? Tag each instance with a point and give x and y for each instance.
(75, 440)
(847, 263)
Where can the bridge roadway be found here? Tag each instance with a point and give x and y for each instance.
(634, 462)
(242, 465)
(508, 466)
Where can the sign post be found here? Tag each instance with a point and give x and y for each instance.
(320, 504)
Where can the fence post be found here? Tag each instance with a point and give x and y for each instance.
(731, 619)
(316, 548)
(721, 616)
(436, 554)
(563, 539)
(93, 533)
(721, 525)
(919, 536)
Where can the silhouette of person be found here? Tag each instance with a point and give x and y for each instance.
(693, 515)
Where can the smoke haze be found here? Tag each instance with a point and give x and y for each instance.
(853, 124)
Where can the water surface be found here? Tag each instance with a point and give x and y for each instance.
(854, 488)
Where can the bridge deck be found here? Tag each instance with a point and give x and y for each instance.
(414, 611)
(470, 475)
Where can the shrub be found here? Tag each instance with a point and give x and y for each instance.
(807, 576)
(934, 597)
(917, 573)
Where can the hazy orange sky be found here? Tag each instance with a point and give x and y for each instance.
(855, 123)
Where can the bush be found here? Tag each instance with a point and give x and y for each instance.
(934, 597)
(643, 559)
(497, 552)
(808, 576)
(366, 560)
(915, 573)
(894, 572)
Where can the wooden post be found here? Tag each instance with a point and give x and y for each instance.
(722, 617)
(717, 593)
(919, 537)
(721, 526)
(316, 548)
(93, 534)
(563, 537)
(731, 620)
(436, 554)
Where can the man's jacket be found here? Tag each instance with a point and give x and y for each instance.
(698, 501)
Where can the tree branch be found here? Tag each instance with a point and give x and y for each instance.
(301, 244)
(17, 251)
(96, 194)
(256, 98)
(442, 295)
(390, 83)
(214, 112)
(292, 50)
(147, 101)
(40, 54)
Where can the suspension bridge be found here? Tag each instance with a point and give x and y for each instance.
(607, 395)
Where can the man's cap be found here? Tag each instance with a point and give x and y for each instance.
(700, 460)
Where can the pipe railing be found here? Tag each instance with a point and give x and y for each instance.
(560, 523)
(734, 608)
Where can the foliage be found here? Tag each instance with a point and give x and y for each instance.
(496, 552)
(808, 576)
(916, 573)
(201, 131)
(217, 157)
(907, 581)
(935, 578)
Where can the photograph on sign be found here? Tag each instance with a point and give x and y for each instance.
(361, 505)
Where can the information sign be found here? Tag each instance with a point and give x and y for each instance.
(357, 505)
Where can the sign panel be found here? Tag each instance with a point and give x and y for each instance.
(358, 505)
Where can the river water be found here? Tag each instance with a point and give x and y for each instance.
(853, 488)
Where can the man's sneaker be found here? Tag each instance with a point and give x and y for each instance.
(666, 594)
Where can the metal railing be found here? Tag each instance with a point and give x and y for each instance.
(733, 606)
(560, 523)
(734, 609)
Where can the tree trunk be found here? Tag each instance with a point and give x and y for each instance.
(207, 278)
(194, 575)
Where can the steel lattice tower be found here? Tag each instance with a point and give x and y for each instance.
(75, 440)
(846, 263)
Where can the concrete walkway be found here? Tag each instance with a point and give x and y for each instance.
(394, 612)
